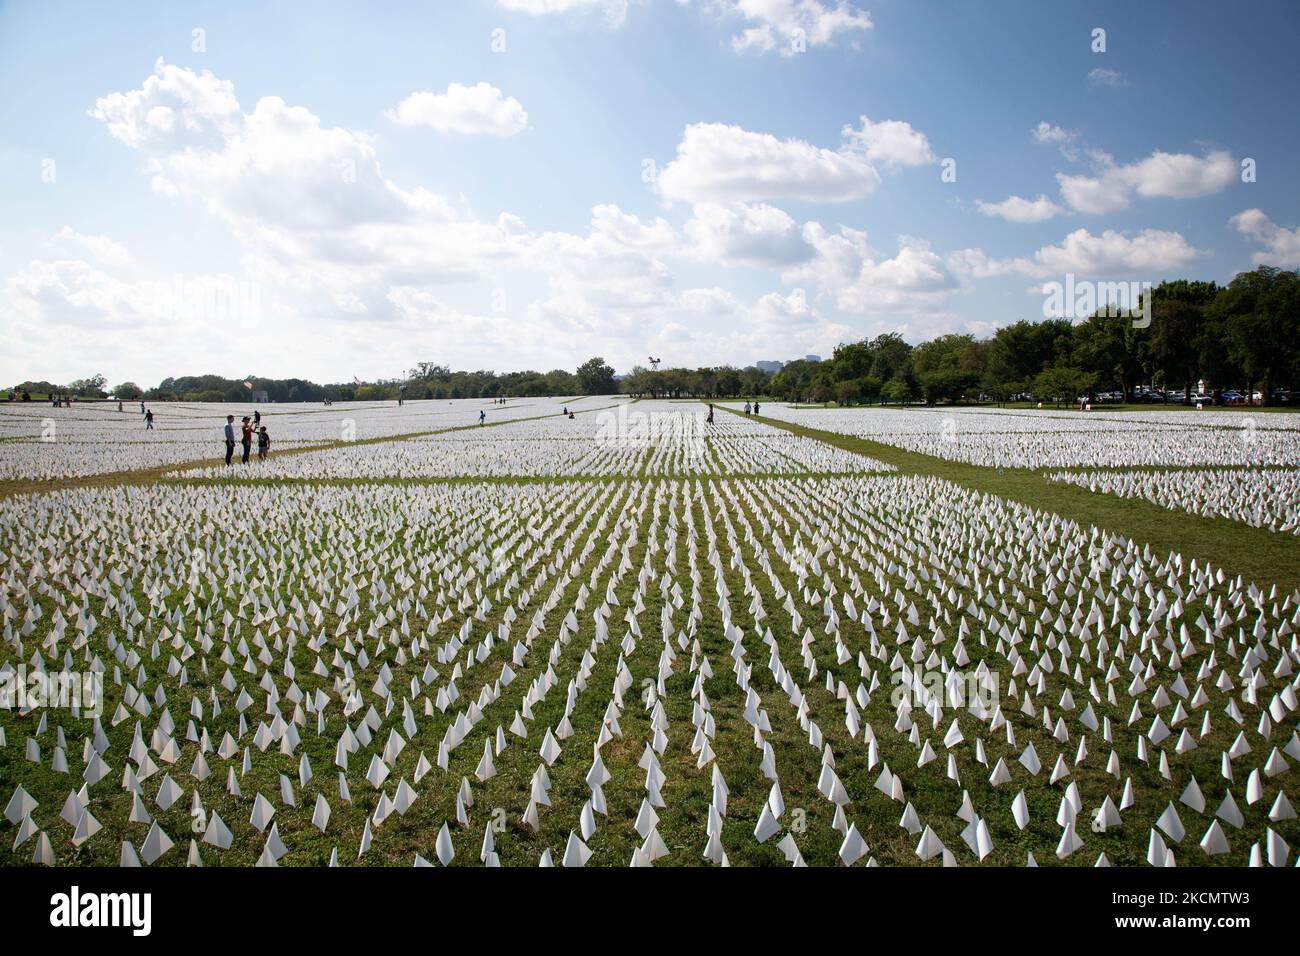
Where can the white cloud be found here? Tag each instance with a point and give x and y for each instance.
(1151, 253)
(1016, 209)
(1160, 175)
(106, 250)
(1063, 139)
(78, 293)
(717, 162)
(889, 142)
(326, 231)
(656, 237)
(1283, 244)
(976, 264)
(1045, 132)
(614, 11)
(1102, 76)
(916, 279)
(320, 222)
(713, 327)
(481, 109)
(785, 26)
(862, 282)
(175, 108)
(309, 203)
(742, 234)
(71, 311)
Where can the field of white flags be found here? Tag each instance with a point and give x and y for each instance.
(647, 438)
(634, 637)
(1262, 498)
(1026, 438)
(45, 443)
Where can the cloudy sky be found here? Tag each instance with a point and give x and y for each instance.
(332, 190)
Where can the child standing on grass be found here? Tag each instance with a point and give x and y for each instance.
(263, 442)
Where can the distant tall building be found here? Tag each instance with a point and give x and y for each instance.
(769, 365)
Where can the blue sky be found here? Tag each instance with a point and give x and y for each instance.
(336, 190)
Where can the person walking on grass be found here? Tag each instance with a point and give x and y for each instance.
(247, 438)
(756, 408)
(148, 420)
(482, 416)
(230, 438)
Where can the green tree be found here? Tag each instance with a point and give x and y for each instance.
(596, 378)
(1062, 383)
(846, 393)
(1111, 349)
(91, 386)
(897, 391)
(1173, 349)
(943, 367)
(1260, 311)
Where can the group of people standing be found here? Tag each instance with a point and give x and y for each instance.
(249, 429)
(749, 410)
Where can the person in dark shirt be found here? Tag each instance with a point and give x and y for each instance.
(263, 442)
(247, 438)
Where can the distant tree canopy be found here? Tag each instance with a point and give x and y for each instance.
(596, 378)
(39, 388)
(1245, 336)
(92, 386)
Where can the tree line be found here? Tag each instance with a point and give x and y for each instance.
(1242, 336)
(426, 381)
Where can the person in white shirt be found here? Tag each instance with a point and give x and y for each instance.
(230, 438)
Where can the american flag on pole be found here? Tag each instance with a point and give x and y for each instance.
(248, 385)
